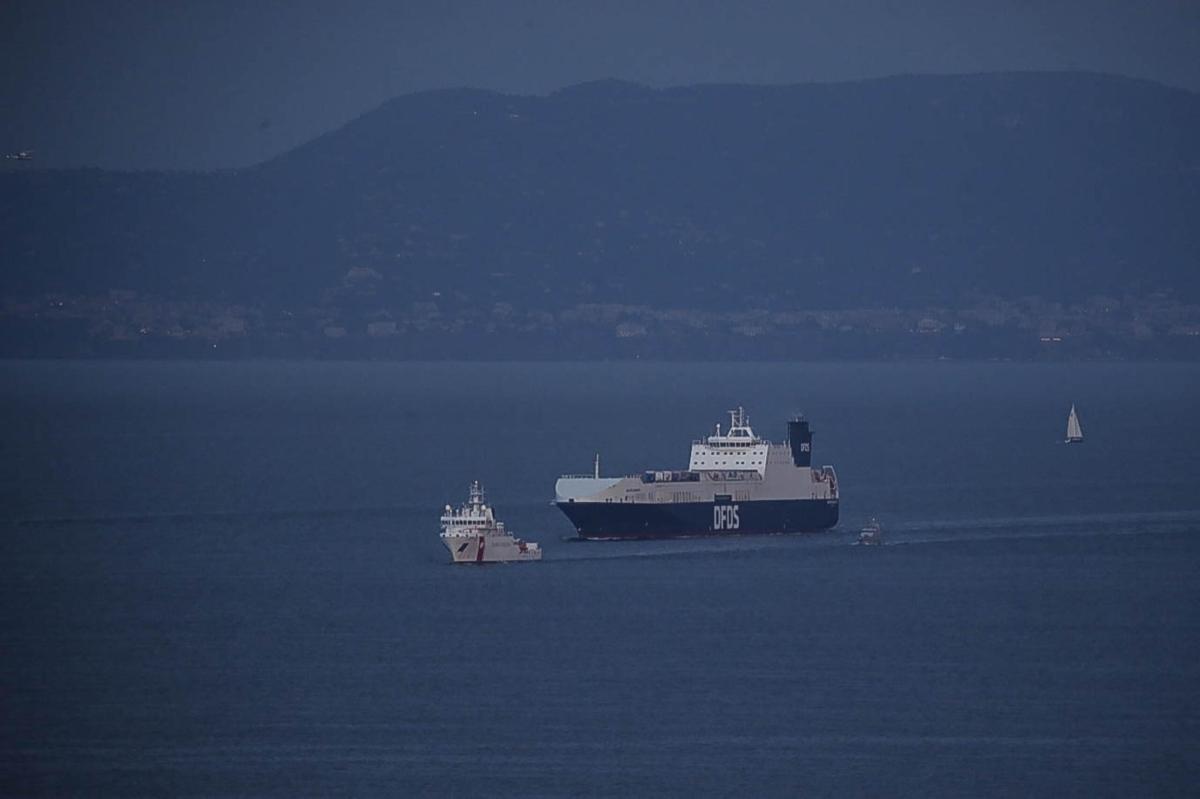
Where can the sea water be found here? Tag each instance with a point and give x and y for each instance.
(225, 579)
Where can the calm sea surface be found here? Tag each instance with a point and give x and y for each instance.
(225, 579)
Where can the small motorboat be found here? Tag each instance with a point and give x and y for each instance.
(871, 535)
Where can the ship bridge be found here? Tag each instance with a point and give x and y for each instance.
(738, 449)
(472, 513)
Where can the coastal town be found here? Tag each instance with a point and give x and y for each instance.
(122, 323)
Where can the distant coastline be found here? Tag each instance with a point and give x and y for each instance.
(1022, 216)
(126, 324)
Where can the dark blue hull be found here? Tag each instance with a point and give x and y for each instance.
(614, 520)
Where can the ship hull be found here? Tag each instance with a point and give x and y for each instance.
(602, 521)
(490, 549)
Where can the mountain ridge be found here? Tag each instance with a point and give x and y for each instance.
(889, 191)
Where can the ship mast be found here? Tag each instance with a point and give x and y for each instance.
(738, 420)
(476, 498)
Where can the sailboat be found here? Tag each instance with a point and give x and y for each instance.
(1074, 431)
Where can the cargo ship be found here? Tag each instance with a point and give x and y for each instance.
(735, 484)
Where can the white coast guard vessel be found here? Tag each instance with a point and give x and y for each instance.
(473, 535)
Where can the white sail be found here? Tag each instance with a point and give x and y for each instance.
(1074, 431)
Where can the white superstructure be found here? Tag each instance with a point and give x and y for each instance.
(736, 464)
(473, 535)
(738, 449)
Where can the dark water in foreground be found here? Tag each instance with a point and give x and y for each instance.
(225, 579)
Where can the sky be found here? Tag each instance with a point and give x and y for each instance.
(176, 84)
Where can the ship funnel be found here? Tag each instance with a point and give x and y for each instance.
(800, 440)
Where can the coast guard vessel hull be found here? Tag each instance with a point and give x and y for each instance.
(490, 549)
(735, 484)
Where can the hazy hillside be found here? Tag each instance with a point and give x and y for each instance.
(902, 191)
